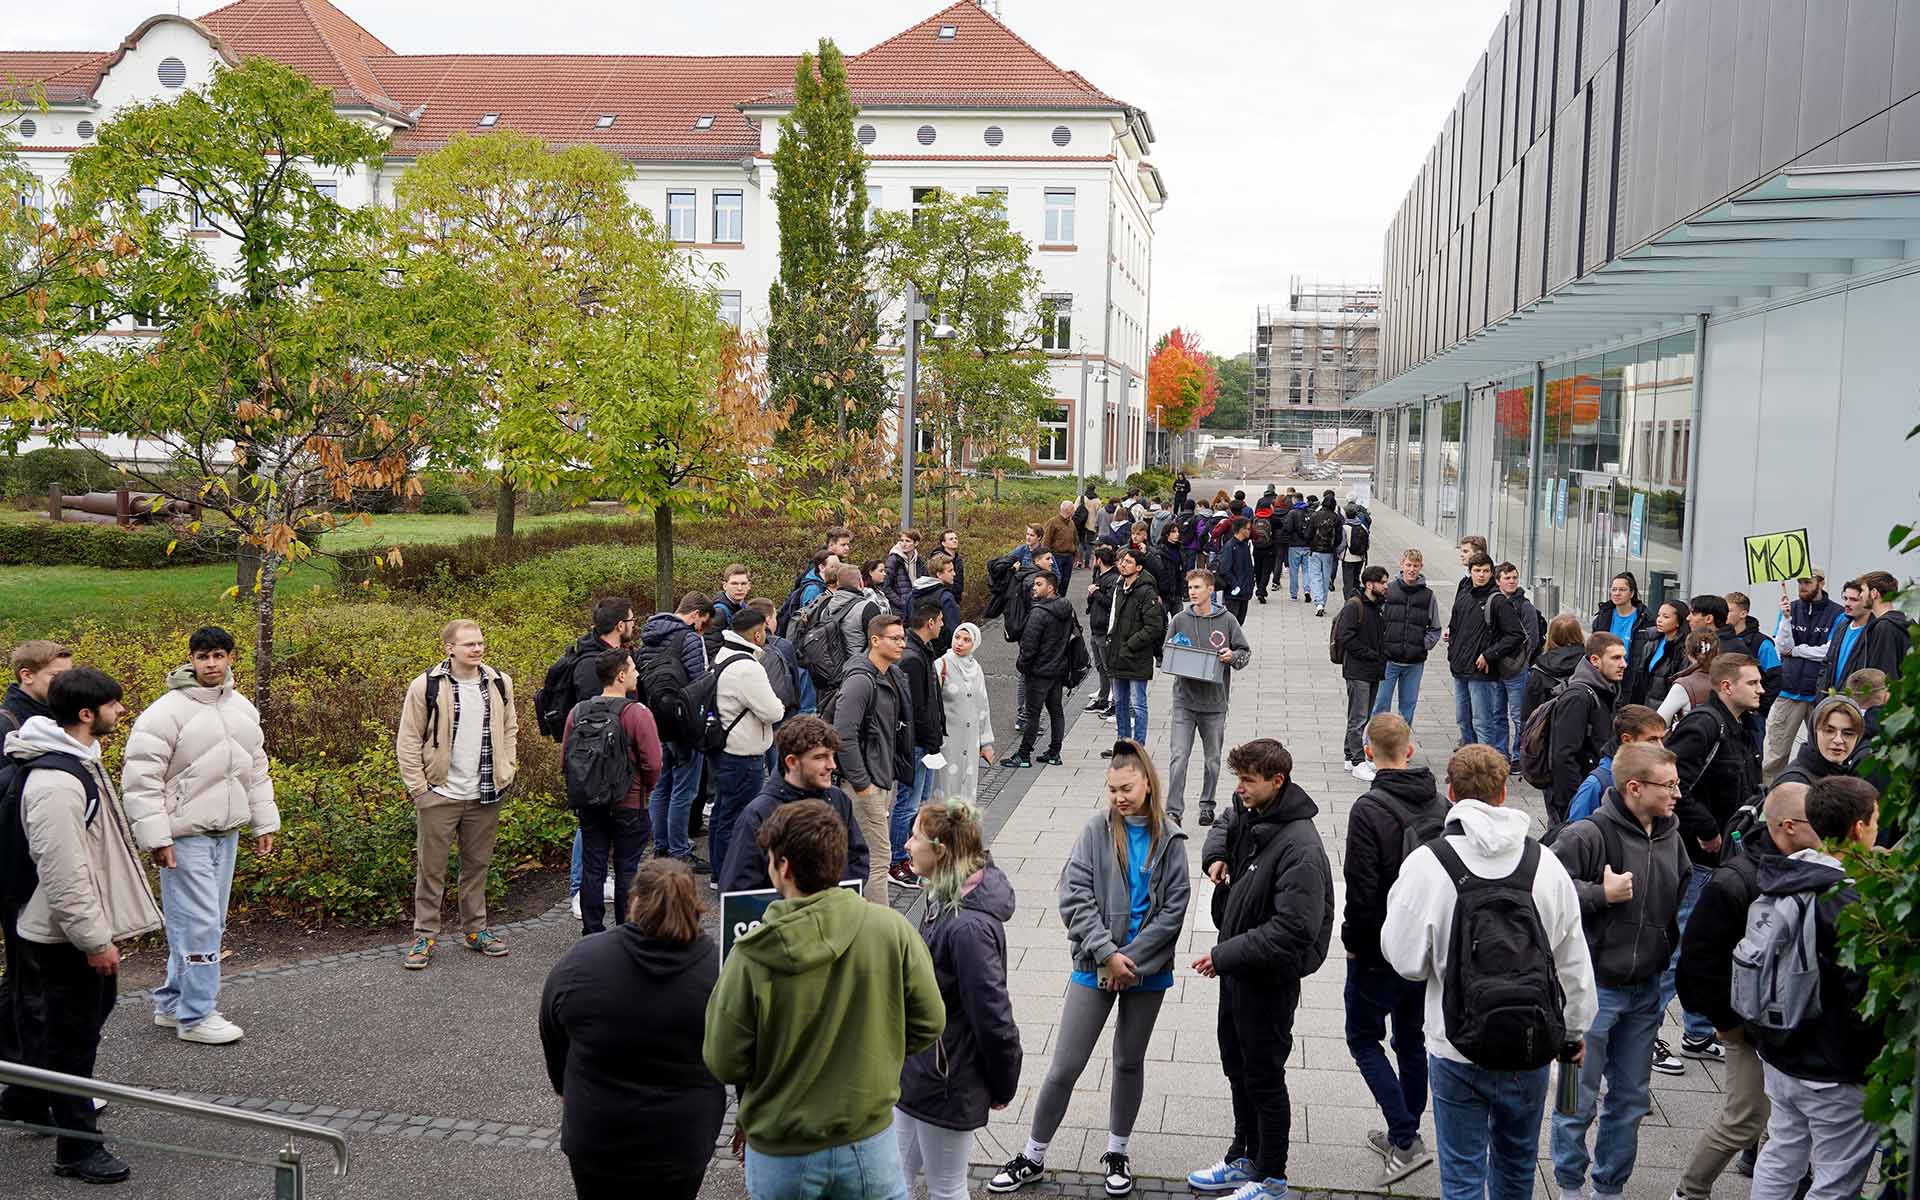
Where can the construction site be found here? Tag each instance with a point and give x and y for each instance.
(1310, 359)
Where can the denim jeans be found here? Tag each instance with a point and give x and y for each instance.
(1361, 694)
(1698, 1028)
(1620, 1046)
(1463, 709)
(672, 800)
(619, 833)
(1130, 709)
(907, 799)
(1296, 570)
(736, 781)
(1487, 1124)
(573, 874)
(1514, 694)
(1406, 678)
(868, 1169)
(1489, 713)
(1097, 647)
(193, 894)
(1322, 577)
(1374, 995)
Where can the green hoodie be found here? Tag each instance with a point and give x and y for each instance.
(815, 1013)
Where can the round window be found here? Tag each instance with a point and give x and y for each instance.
(84, 129)
(173, 73)
(995, 135)
(27, 127)
(925, 135)
(866, 134)
(1062, 135)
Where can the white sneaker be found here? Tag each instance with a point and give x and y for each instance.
(573, 903)
(1579, 1193)
(1365, 772)
(214, 1030)
(1346, 766)
(166, 1020)
(606, 891)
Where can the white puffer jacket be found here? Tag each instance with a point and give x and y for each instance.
(196, 763)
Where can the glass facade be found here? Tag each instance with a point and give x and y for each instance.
(1616, 447)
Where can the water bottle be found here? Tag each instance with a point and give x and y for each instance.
(1566, 1097)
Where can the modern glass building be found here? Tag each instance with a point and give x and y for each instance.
(1656, 288)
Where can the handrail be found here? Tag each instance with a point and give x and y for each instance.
(76, 1085)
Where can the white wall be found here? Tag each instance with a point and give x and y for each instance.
(1805, 411)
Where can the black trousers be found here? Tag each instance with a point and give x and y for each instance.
(1048, 692)
(1264, 563)
(1237, 605)
(1350, 578)
(15, 1102)
(60, 1006)
(625, 833)
(1256, 1038)
(597, 1180)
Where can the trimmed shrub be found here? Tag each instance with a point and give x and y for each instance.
(1154, 481)
(43, 543)
(444, 503)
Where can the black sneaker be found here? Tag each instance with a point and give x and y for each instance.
(901, 875)
(1708, 1048)
(1018, 760)
(1106, 754)
(698, 865)
(96, 1166)
(1096, 704)
(1744, 1164)
(1206, 813)
(1119, 1173)
(1052, 760)
(1018, 1173)
(1664, 1061)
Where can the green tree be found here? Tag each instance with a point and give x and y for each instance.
(543, 231)
(823, 323)
(1230, 410)
(288, 371)
(987, 385)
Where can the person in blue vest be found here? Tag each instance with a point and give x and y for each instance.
(1800, 639)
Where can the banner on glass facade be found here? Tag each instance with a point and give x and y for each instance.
(1778, 557)
(1637, 527)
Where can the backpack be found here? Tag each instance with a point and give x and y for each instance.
(703, 698)
(1222, 530)
(1501, 997)
(1776, 965)
(999, 582)
(19, 876)
(1191, 530)
(1335, 653)
(1358, 539)
(1323, 531)
(783, 620)
(556, 696)
(595, 761)
(822, 647)
(1263, 532)
(1079, 661)
(1416, 829)
(1536, 738)
(433, 705)
(663, 686)
(1746, 821)
(1507, 667)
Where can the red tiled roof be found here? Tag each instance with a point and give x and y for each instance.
(313, 36)
(64, 75)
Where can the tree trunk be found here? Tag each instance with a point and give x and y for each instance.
(503, 512)
(839, 455)
(247, 565)
(663, 559)
(263, 667)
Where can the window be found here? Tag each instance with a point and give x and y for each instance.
(200, 219)
(949, 32)
(1059, 231)
(489, 120)
(1053, 437)
(923, 196)
(873, 203)
(1329, 337)
(1057, 312)
(730, 308)
(996, 194)
(703, 122)
(680, 221)
(729, 217)
(605, 121)
(34, 196)
(926, 438)
(328, 189)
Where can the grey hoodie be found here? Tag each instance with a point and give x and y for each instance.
(1096, 901)
(1217, 630)
(1632, 941)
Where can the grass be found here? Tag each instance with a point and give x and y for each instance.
(419, 529)
(38, 598)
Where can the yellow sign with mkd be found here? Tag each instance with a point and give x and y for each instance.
(1778, 557)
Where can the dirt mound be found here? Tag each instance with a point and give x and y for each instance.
(1354, 452)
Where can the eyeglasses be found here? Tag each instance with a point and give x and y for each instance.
(1649, 783)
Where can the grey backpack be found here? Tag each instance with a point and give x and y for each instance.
(1776, 966)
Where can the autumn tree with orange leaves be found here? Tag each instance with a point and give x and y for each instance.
(1182, 384)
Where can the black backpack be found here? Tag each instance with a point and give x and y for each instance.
(1358, 539)
(1323, 531)
(1504, 1007)
(822, 645)
(999, 584)
(432, 724)
(663, 686)
(1079, 661)
(18, 874)
(596, 761)
(556, 696)
(703, 698)
(1416, 828)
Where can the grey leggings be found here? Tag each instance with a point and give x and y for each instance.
(1083, 1014)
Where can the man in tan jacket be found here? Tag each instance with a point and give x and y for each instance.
(89, 891)
(458, 755)
(195, 772)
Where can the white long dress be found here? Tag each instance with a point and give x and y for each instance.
(963, 689)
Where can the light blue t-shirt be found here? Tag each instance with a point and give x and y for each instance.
(1139, 852)
(1622, 626)
(1846, 649)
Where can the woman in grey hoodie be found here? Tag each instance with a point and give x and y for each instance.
(1123, 900)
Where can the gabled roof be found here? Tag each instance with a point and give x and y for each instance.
(322, 42)
(65, 76)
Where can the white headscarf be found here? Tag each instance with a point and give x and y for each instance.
(965, 669)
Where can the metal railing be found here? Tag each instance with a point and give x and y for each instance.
(289, 1173)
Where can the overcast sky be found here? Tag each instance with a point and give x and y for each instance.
(1288, 132)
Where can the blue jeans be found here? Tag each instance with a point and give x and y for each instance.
(907, 799)
(1463, 710)
(736, 781)
(1406, 677)
(573, 874)
(1620, 1046)
(672, 800)
(193, 894)
(1698, 1028)
(1321, 577)
(1130, 709)
(1487, 1124)
(868, 1169)
(1489, 713)
(1515, 690)
(1374, 995)
(1296, 570)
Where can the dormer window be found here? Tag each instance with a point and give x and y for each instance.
(948, 32)
(703, 122)
(489, 120)
(605, 121)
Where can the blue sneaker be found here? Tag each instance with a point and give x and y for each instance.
(1262, 1189)
(1222, 1176)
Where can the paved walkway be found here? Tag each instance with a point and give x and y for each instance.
(1291, 692)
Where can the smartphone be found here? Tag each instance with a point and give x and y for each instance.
(1103, 977)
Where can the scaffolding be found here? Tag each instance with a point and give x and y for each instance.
(1310, 359)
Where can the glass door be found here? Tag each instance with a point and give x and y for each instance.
(1593, 565)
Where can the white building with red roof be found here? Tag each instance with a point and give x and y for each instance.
(957, 102)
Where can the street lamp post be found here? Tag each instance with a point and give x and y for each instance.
(916, 313)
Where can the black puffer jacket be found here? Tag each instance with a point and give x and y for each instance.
(637, 1093)
(1719, 771)
(1164, 565)
(921, 666)
(1704, 977)
(1411, 613)
(1139, 626)
(1548, 672)
(1470, 635)
(1837, 1045)
(1581, 729)
(1044, 642)
(1376, 833)
(1100, 600)
(1019, 602)
(976, 1063)
(1648, 682)
(1275, 912)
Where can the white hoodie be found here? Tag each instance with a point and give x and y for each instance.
(1420, 915)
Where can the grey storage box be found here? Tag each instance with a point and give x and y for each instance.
(1193, 662)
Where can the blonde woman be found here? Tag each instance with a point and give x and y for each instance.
(947, 1090)
(963, 690)
(1123, 900)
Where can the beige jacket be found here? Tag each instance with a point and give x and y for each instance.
(425, 752)
(196, 764)
(93, 886)
(744, 694)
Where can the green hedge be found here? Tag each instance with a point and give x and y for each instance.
(42, 543)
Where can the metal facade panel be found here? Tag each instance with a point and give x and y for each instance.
(1865, 142)
(1749, 92)
(1504, 251)
(1472, 139)
(1566, 211)
(1716, 132)
(1866, 81)
(1823, 63)
(1450, 291)
(1528, 73)
(1639, 134)
(1906, 49)
(1693, 166)
(1567, 76)
(1602, 38)
(1603, 154)
(1516, 100)
(1547, 62)
(1535, 180)
(1671, 117)
(1780, 108)
(1448, 173)
(1476, 278)
(1903, 131)
(1638, 11)
(1498, 119)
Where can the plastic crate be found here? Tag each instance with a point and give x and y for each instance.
(1193, 662)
